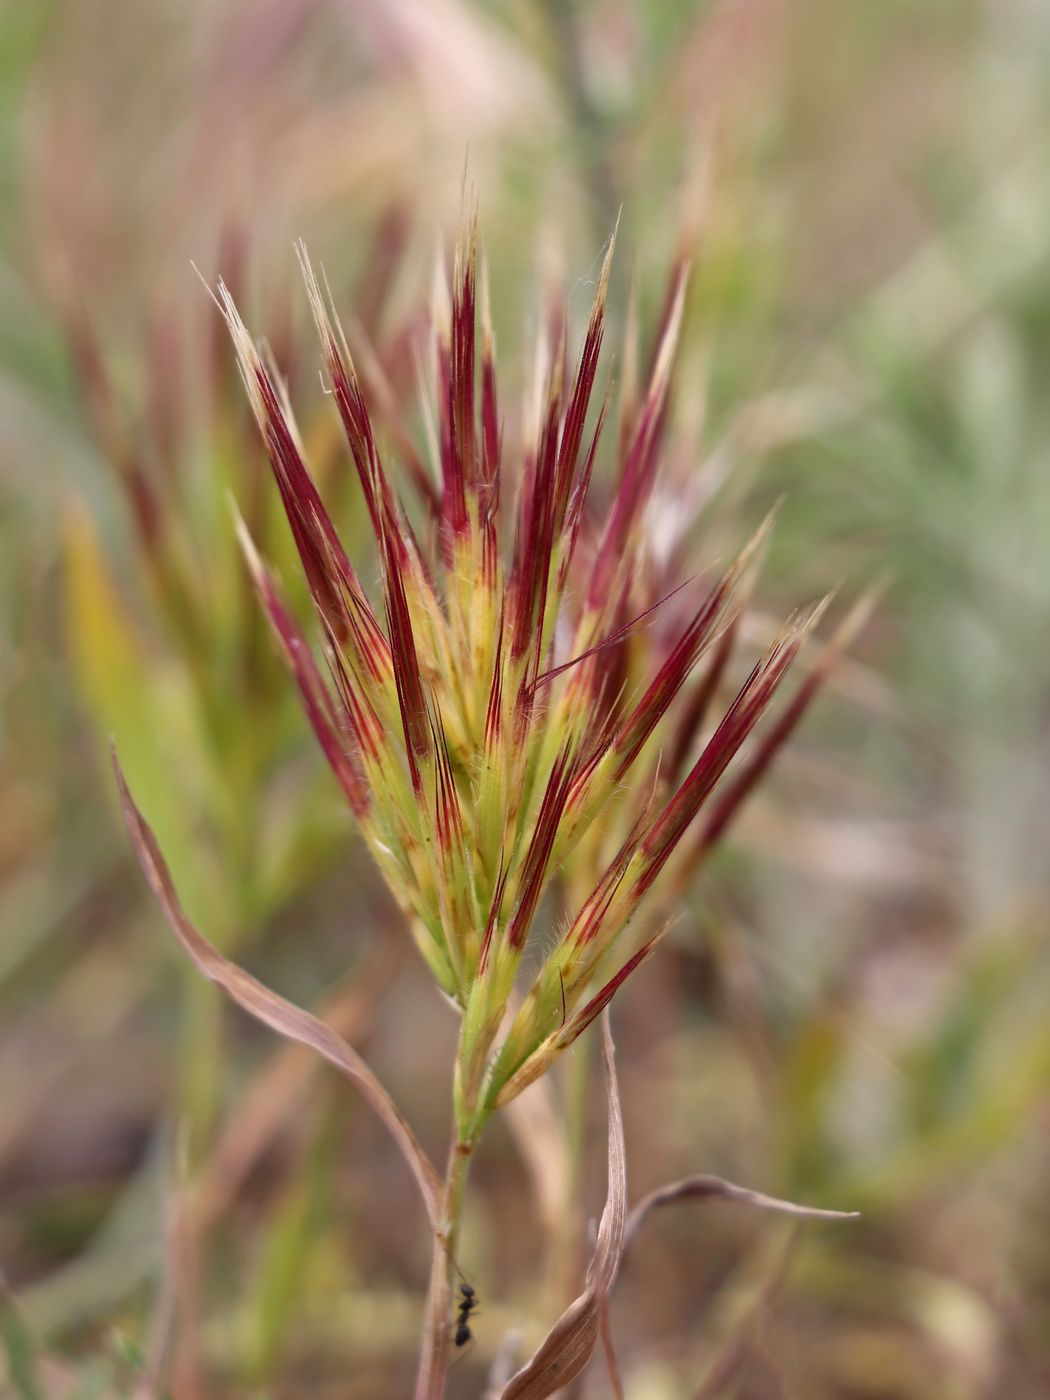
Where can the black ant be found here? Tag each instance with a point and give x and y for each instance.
(468, 1301)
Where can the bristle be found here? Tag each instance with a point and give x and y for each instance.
(490, 427)
(642, 459)
(530, 576)
(494, 709)
(750, 704)
(407, 677)
(597, 1004)
(316, 699)
(731, 799)
(495, 910)
(683, 657)
(461, 380)
(347, 393)
(616, 635)
(694, 713)
(580, 395)
(327, 567)
(534, 867)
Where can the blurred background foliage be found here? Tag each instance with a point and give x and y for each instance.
(852, 1008)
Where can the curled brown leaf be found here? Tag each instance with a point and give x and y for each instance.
(700, 1188)
(273, 1010)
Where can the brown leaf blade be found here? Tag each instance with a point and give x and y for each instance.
(703, 1187)
(272, 1010)
(269, 1100)
(568, 1346)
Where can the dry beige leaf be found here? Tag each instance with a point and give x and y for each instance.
(272, 1010)
(267, 1102)
(699, 1188)
(569, 1344)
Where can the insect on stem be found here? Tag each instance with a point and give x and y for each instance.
(468, 1301)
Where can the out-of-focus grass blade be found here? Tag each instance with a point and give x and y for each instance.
(116, 681)
(19, 1350)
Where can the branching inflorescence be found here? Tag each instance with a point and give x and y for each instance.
(474, 754)
(479, 714)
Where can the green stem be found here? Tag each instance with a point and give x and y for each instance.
(468, 1118)
(455, 1189)
(433, 1361)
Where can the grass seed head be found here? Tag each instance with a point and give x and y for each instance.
(487, 719)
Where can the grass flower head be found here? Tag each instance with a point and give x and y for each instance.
(474, 713)
(494, 722)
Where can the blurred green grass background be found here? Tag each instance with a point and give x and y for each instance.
(853, 1009)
